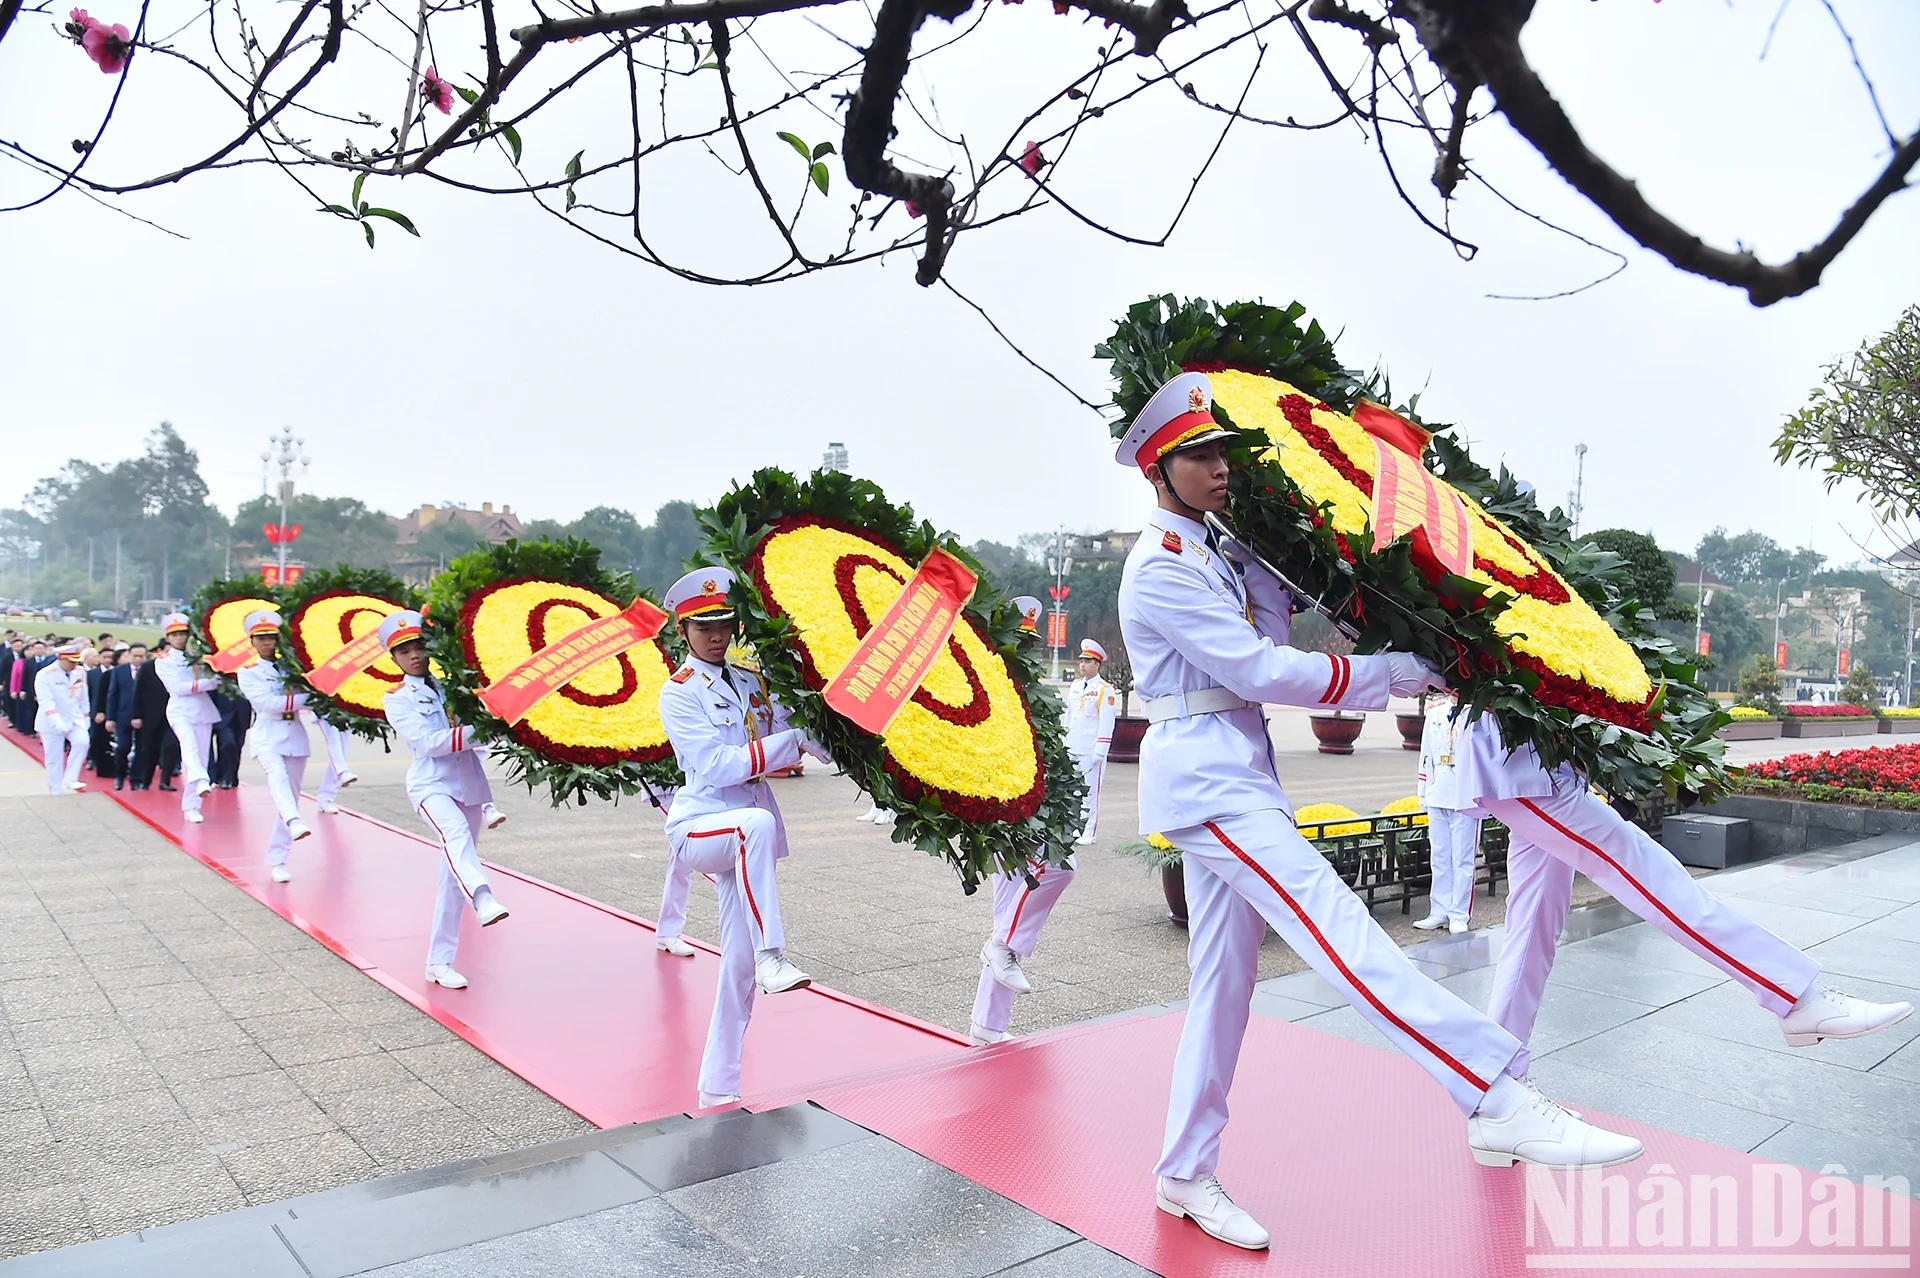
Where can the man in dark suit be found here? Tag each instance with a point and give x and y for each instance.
(153, 740)
(99, 740)
(236, 715)
(120, 712)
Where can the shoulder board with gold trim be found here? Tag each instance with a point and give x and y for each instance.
(683, 674)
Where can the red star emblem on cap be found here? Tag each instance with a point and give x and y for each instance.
(709, 587)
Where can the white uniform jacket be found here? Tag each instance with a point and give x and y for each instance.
(1184, 612)
(63, 699)
(185, 691)
(277, 728)
(1092, 706)
(446, 761)
(727, 739)
(1486, 769)
(1439, 758)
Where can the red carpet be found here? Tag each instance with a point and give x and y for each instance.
(568, 993)
(1349, 1155)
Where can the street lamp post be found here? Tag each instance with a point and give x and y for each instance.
(1059, 563)
(288, 451)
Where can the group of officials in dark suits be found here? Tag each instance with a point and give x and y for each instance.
(130, 738)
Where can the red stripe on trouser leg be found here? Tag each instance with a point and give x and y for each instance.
(446, 851)
(746, 884)
(1661, 906)
(1314, 930)
(1016, 916)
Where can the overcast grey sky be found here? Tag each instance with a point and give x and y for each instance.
(499, 358)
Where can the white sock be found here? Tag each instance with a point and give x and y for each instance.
(1502, 1099)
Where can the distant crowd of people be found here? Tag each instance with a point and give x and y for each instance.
(130, 739)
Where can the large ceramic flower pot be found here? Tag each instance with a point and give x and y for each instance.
(1336, 733)
(1173, 882)
(1127, 733)
(1411, 726)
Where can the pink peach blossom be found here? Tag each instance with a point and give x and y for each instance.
(108, 46)
(1031, 159)
(437, 91)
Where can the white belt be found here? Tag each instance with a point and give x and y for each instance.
(1184, 705)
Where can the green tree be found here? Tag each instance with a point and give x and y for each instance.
(333, 530)
(1863, 422)
(1759, 685)
(1650, 570)
(1859, 689)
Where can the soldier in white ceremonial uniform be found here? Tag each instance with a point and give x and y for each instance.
(672, 919)
(1453, 831)
(447, 784)
(278, 740)
(1559, 826)
(1092, 706)
(62, 717)
(1021, 906)
(190, 710)
(728, 733)
(1207, 639)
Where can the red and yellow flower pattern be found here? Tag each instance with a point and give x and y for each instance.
(610, 714)
(330, 621)
(966, 736)
(1549, 629)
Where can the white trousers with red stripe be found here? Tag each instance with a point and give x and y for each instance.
(736, 849)
(336, 763)
(1093, 770)
(1454, 840)
(1019, 912)
(284, 774)
(673, 898)
(1245, 872)
(1556, 835)
(457, 825)
(64, 753)
(195, 740)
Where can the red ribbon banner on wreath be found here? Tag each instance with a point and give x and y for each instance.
(235, 655)
(362, 651)
(567, 658)
(1408, 500)
(892, 661)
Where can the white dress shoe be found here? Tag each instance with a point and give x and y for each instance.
(1085, 840)
(1431, 922)
(1202, 1201)
(1004, 965)
(348, 778)
(491, 817)
(868, 815)
(280, 873)
(1824, 1012)
(328, 807)
(674, 946)
(1531, 1128)
(298, 829)
(192, 818)
(1457, 926)
(78, 785)
(712, 1100)
(203, 789)
(981, 1036)
(882, 816)
(777, 973)
(442, 975)
(489, 910)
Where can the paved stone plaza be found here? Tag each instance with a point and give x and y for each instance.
(173, 1050)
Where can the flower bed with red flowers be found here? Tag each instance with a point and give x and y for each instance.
(1837, 710)
(1881, 769)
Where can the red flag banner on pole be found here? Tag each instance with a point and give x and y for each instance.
(346, 662)
(1846, 660)
(1706, 642)
(1056, 630)
(570, 656)
(1780, 655)
(892, 661)
(235, 655)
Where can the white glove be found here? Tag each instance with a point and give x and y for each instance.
(1409, 676)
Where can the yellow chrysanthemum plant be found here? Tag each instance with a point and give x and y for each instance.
(1530, 626)
(325, 612)
(975, 765)
(601, 734)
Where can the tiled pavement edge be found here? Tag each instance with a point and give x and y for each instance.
(170, 1048)
(793, 1190)
(1635, 1025)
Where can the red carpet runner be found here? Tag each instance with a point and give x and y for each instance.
(568, 993)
